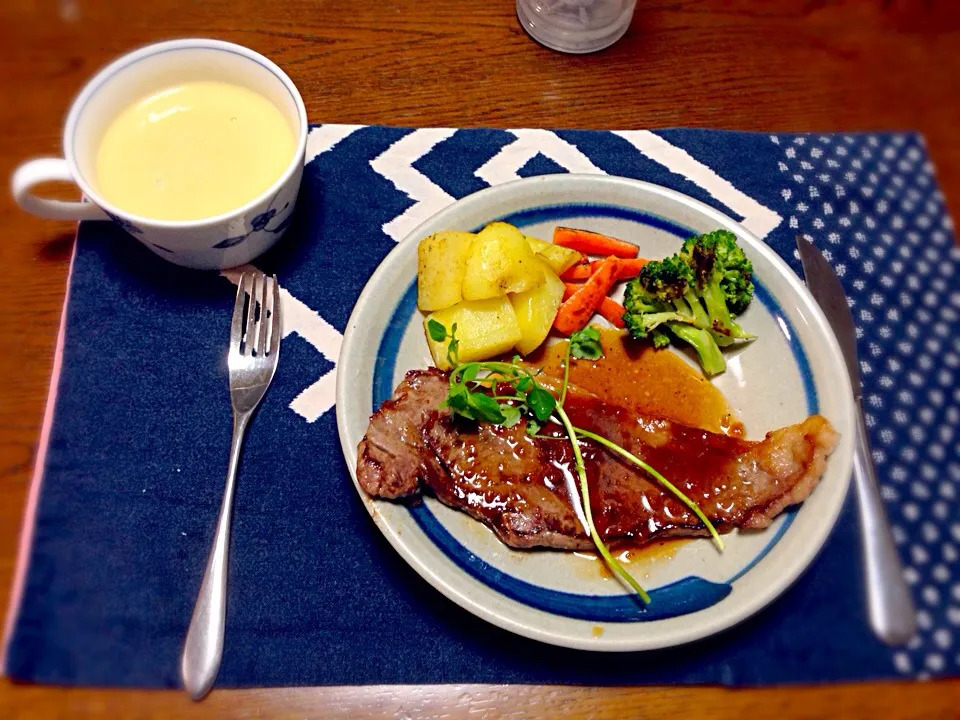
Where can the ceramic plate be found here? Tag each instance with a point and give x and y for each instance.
(795, 369)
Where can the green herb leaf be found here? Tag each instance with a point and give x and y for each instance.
(533, 426)
(486, 408)
(585, 344)
(524, 383)
(438, 333)
(469, 373)
(541, 402)
(511, 415)
(458, 398)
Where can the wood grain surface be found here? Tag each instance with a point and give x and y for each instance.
(784, 65)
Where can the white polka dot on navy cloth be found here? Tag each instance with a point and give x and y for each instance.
(872, 206)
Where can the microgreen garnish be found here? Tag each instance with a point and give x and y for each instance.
(438, 333)
(504, 393)
(585, 344)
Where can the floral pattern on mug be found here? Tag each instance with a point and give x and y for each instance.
(259, 224)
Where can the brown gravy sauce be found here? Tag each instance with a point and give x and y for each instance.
(653, 382)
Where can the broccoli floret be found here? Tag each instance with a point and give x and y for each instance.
(662, 302)
(666, 279)
(712, 257)
(657, 296)
(724, 278)
(693, 296)
(711, 359)
(660, 338)
(736, 275)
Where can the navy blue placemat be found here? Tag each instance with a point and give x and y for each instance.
(134, 467)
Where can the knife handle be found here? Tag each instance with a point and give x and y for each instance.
(891, 610)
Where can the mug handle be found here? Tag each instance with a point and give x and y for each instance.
(40, 170)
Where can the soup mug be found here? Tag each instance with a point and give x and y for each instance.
(226, 240)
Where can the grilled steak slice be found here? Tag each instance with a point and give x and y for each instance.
(392, 457)
(519, 486)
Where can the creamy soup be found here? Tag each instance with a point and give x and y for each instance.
(193, 151)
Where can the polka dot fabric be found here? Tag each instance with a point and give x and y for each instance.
(870, 203)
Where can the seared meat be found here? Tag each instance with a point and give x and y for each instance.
(518, 485)
(392, 453)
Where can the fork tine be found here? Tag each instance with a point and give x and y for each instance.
(236, 325)
(275, 327)
(255, 339)
(266, 306)
(250, 338)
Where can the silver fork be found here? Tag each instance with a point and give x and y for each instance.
(252, 360)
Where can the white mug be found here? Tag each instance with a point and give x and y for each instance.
(226, 240)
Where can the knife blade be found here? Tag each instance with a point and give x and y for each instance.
(889, 603)
(826, 289)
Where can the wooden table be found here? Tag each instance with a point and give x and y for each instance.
(786, 65)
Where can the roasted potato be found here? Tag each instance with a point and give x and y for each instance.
(441, 264)
(485, 329)
(535, 310)
(500, 262)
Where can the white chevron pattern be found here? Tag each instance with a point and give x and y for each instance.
(396, 165)
(504, 166)
(325, 137)
(298, 318)
(757, 218)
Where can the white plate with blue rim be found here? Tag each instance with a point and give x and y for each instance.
(794, 369)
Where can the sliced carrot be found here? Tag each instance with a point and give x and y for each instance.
(609, 309)
(576, 311)
(578, 272)
(592, 243)
(612, 311)
(628, 268)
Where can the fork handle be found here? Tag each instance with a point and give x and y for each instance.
(891, 611)
(204, 646)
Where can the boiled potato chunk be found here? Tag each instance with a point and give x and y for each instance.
(558, 258)
(441, 264)
(485, 329)
(535, 310)
(536, 244)
(500, 262)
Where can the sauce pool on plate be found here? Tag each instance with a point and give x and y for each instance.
(193, 151)
(652, 382)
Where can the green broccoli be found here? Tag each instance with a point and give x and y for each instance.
(693, 296)
(723, 278)
(662, 301)
(659, 295)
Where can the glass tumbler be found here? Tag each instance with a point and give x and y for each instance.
(576, 26)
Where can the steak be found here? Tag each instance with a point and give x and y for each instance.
(522, 486)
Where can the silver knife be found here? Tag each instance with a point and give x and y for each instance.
(891, 610)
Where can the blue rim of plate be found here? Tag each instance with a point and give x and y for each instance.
(681, 597)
